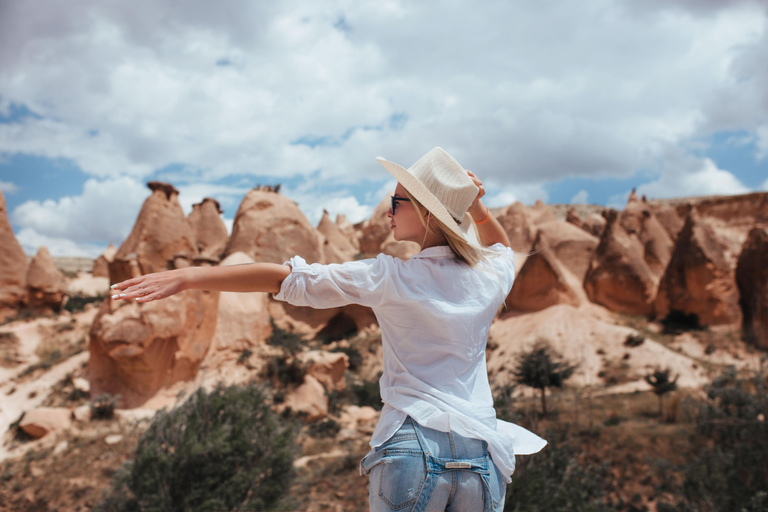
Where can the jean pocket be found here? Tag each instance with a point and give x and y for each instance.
(498, 486)
(400, 477)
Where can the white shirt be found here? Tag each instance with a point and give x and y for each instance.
(434, 312)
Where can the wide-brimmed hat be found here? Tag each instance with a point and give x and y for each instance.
(442, 186)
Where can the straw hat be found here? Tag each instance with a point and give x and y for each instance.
(443, 186)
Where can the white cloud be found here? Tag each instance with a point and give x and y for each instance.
(762, 142)
(31, 241)
(105, 211)
(8, 187)
(688, 176)
(580, 197)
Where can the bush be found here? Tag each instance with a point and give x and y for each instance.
(554, 481)
(77, 302)
(103, 406)
(223, 450)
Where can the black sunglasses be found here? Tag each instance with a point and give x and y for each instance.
(394, 200)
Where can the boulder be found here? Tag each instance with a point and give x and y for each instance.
(243, 318)
(752, 281)
(399, 249)
(137, 349)
(43, 420)
(308, 399)
(13, 266)
(327, 367)
(376, 229)
(101, 265)
(517, 222)
(618, 276)
(699, 280)
(160, 236)
(208, 227)
(270, 227)
(46, 285)
(336, 247)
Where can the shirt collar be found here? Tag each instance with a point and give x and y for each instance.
(439, 251)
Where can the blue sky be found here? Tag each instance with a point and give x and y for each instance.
(562, 101)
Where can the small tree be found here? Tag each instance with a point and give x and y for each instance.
(662, 383)
(542, 368)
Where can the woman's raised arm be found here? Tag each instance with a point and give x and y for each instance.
(252, 277)
(488, 228)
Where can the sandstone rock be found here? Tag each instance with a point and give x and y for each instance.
(243, 318)
(327, 367)
(45, 283)
(699, 279)
(618, 276)
(336, 247)
(638, 219)
(208, 227)
(752, 280)
(593, 224)
(82, 413)
(81, 385)
(517, 222)
(161, 232)
(670, 219)
(376, 229)
(554, 272)
(541, 213)
(348, 230)
(331, 323)
(101, 265)
(113, 439)
(43, 420)
(13, 266)
(270, 228)
(399, 249)
(309, 399)
(136, 349)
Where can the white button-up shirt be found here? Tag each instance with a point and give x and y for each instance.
(434, 312)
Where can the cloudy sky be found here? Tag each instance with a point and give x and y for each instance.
(559, 100)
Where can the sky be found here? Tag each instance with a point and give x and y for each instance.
(563, 101)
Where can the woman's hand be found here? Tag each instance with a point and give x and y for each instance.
(152, 286)
(477, 209)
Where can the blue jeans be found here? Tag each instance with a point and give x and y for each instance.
(423, 470)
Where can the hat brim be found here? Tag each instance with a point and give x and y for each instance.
(465, 230)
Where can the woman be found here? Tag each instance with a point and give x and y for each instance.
(438, 444)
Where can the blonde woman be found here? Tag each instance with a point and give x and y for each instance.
(438, 445)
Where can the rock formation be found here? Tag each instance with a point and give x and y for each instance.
(101, 265)
(13, 266)
(46, 285)
(270, 227)
(160, 238)
(309, 399)
(638, 219)
(327, 367)
(554, 273)
(618, 276)
(752, 280)
(376, 229)
(43, 420)
(136, 349)
(593, 224)
(349, 231)
(541, 213)
(517, 222)
(700, 279)
(399, 249)
(208, 227)
(336, 247)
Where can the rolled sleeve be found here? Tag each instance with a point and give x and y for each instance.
(363, 282)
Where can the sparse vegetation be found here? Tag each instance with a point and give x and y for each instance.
(223, 450)
(662, 383)
(542, 368)
(287, 340)
(103, 406)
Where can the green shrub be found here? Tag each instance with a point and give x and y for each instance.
(287, 340)
(223, 450)
(77, 302)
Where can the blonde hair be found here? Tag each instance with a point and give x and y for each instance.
(470, 254)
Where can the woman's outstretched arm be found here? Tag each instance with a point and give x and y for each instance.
(253, 277)
(488, 228)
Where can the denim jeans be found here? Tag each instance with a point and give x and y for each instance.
(423, 470)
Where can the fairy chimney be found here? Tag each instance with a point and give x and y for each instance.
(13, 266)
(46, 286)
(101, 265)
(269, 227)
(208, 227)
(375, 230)
(336, 247)
(160, 236)
(752, 280)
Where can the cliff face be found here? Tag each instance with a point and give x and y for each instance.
(13, 266)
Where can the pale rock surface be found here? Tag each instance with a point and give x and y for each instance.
(82, 413)
(593, 224)
(13, 266)
(542, 213)
(137, 349)
(332, 323)
(348, 230)
(101, 265)
(243, 318)
(46, 285)
(309, 398)
(752, 280)
(337, 247)
(700, 278)
(327, 367)
(517, 222)
(160, 236)
(209, 229)
(639, 220)
(270, 228)
(376, 229)
(399, 249)
(44, 420)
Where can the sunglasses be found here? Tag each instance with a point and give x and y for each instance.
(394, 200)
